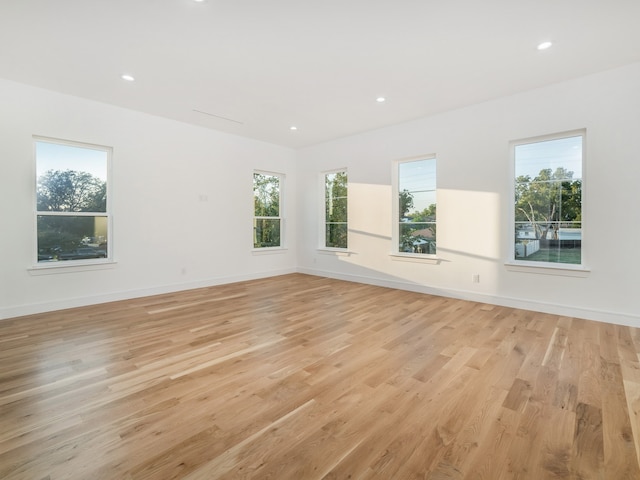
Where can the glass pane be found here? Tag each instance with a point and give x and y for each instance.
(71, 237)
(336, 185)
(564, 246)
(336, 191)
(266, 232)
(548, 201)
(561, 158)
(417, 238)
(266, 195)
(336, 235)
(70, 178)
(336, 209)
(417, 206)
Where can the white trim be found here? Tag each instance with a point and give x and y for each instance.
(70, 266)
(281, 209)
(543, 267)
(338, 252)
(548, 268)
(322, 178)
(395, 194)
(69, 143)
(269, 172)
(617, 318)
(415, 257)
(108, 213)
(35, 308)
(333, 170)
(268, 250)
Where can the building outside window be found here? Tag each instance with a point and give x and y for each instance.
(415, 232)
(548, 199)
(267, 201)
(335, 209)
(73, 219)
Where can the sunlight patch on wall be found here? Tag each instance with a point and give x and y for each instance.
(469, 246)
(370, 209)
(463, 230)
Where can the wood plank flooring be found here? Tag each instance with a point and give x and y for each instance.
(301, 377)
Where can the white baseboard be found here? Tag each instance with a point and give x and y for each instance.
(30, 309)
(617, 318)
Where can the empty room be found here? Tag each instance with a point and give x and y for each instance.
(319, 240)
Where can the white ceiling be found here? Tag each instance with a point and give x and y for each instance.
(264, 65)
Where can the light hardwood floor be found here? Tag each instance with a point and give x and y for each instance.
(301, 377)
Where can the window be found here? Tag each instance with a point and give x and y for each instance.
(335, 209)
(548, 199)
(73, 220)
(415, 232)
(267, 201)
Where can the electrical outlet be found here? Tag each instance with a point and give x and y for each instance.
(475, 278)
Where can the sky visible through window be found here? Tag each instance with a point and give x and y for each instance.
(419, 177)
(53, 156)
(563, 152)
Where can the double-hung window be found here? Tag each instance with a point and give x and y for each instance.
(73, 219)
(267, 204)
(335, 209)
(415, 185)
(547, 211)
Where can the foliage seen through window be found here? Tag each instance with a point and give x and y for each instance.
(336, 227)
(267, 220)
(72, 218)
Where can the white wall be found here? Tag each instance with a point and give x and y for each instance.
(471, 145)
(165, 237)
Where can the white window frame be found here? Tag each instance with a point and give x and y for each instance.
(82, 264)
(280, 217)
(322, 241)
(546, 268)
(395, 235)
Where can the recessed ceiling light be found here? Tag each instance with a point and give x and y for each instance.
(127, 77)
(380, 99)
(293, 127)
(544, 45)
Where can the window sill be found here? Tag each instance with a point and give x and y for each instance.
(269, 251)
(338, 252)
(70, 266)
(415, 258)
(565, 270)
